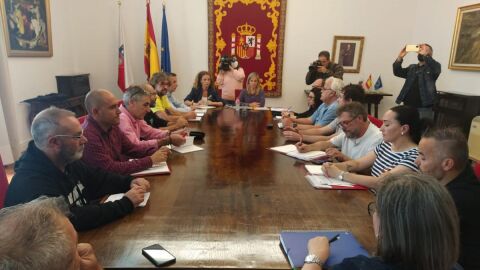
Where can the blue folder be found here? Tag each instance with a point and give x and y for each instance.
(295, 243)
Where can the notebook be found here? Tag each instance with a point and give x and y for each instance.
(161, 168)
(291, 150)
(294, 245)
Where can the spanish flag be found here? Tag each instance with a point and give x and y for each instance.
(150, 57)
(368, 83)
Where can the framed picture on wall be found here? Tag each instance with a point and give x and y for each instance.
(347, 51)
(465, 52)
(26, 27)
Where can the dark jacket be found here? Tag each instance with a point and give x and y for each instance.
(333, 69)
(427, 76)
(465, 191)
(80, 185)
(196, 95)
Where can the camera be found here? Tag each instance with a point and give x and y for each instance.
(314, 65)
(226, 61)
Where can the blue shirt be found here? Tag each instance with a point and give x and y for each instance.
(324, 114)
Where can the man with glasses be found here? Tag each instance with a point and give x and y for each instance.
(136, 103)
(108, 147)
(351, 93)
(325, 112)
(359, 136)
(163, 109)
(51, 167)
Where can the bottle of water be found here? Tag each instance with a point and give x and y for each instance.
(237, 104)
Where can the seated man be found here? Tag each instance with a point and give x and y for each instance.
(359, 136)
(325, 112)
(176, 104)
(350, 93)
(108, 147)
(51, 167)
(38, 235)
(162, 108)
(443, 154)
(153, 120)
(135, 105)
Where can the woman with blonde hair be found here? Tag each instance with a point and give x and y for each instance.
(253, 95)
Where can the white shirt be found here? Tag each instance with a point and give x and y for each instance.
(358, 147)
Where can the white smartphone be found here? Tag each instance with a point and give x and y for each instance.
(412, 48)
(158, 255)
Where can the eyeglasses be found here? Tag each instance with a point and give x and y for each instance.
(346, 122)
(76, 137)
(310, 97)
(372, 208)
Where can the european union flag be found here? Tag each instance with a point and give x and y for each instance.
(378, 83)
(165, 64)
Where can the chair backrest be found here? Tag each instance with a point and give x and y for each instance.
(81, 119)
(3, 183)
(377, 122)
(474, 139)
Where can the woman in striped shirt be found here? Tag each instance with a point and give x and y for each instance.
(401, 132)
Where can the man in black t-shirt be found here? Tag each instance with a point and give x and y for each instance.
(443, 154)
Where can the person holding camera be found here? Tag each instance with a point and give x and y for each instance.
(321, 69)
(230, 78)
(419, 89)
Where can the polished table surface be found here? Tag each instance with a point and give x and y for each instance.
(224, 207)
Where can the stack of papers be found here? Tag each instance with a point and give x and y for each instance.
(161, 168)
(314, 169)
(187, 147)
(118, 196)
(291, 150)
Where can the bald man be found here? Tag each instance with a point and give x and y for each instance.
(108, 148)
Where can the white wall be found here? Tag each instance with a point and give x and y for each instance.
(85, 37)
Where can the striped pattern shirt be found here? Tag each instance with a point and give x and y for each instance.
(387, 159)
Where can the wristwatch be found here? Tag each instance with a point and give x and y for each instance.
(341, 175)
(312, 258)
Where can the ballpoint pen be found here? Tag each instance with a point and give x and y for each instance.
(333, 239)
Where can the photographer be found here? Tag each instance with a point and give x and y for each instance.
(230, 77)
(321, 69)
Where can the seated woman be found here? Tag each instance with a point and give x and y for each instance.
(203, 92)
(313, 102)
(416, 225)
(252, 96)
(401, 132)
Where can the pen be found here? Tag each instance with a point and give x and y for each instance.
(335, 238)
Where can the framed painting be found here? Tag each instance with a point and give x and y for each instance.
(465, 52)
(347, 51)
(26, 27)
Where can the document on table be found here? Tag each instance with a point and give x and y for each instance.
(161, 168)
(200, 114)
(118, 196)
(187, 147)
(197, 119)
(205, 107)
(323, 182)
(291, 150)
(314, 169)
(278, 109)
(200, 111)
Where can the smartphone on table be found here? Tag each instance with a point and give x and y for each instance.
(158, 255)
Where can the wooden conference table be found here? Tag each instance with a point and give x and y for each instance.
(224, 207)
